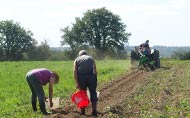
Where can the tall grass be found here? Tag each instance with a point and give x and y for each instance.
(15, 93)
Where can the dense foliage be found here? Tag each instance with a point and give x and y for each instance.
(17, 43)
(14, 40)
(100, 32)
(98, 29)
(182, 55)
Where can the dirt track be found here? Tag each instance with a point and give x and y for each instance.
(111, 94)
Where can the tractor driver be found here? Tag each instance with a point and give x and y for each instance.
(145, 48)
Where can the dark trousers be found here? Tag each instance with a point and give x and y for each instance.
(37, 91)
(90, 82)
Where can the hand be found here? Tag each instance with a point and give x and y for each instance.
(77, 86)
(51, 104)
(45, 99)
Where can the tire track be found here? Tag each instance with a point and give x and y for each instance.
(121, 88)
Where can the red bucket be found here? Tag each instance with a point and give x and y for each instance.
(80, 98)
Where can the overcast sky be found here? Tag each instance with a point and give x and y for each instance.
(162, 22)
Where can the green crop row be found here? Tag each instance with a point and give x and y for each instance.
(165, 93)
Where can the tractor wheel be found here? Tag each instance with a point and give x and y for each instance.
(158, 66)
(134, 55)
(156, 58)
(152, 67)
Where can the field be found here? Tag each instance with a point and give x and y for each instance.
(164, 93)
(124, 93)
(15, 93)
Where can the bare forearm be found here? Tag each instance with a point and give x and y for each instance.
(76, 78)
(94, 69)
(50, 94)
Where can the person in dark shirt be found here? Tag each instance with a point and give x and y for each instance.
(145, 48)
(85, 75)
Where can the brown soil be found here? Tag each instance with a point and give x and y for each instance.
(111, 95)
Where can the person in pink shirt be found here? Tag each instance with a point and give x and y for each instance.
(36, 79)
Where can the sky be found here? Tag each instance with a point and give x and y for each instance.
(162, 22)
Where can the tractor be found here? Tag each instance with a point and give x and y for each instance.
(151, 61)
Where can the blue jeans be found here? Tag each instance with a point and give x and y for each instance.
(37, 91)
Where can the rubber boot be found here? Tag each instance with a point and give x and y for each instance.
(34, 106)
(43, 109)
(94, 109)
(82, 111)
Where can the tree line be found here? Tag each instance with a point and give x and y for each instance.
(99, 31)
(181, 53)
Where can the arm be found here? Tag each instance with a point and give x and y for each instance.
(75, 74)
(94, 69)
(51, 91)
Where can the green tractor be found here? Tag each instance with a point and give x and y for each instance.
(151, 61)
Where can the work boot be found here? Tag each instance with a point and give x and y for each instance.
(46, 113)
(94, 109)
(43, 109)
(94, 113)
(82, 111)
